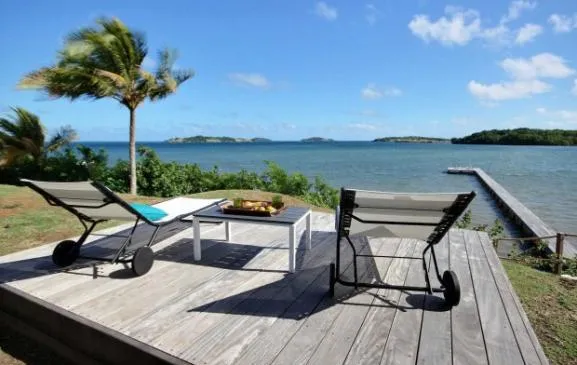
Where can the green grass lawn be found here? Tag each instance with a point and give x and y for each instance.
(27, 221)
(551, 305)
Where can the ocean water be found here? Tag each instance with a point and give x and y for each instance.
(543, 178)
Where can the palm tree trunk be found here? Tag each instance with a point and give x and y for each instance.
(132, 151)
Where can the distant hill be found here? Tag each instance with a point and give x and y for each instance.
(208, 139)
(317, 139)
(521, 136)
(412, 139)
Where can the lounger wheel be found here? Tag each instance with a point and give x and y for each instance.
(65, 253)
(452, 289)
(332, 276)
(142, 260)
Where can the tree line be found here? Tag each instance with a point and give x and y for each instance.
(521, 136)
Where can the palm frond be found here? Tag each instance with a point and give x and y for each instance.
(106, 61)
(21, 134)
(64, 136)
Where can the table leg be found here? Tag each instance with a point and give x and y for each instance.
(292, 248)
(196, 232)
(227, 230)
(308, 231)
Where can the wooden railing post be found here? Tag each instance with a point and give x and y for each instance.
(559, 253)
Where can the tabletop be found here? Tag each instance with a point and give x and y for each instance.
(289, 216)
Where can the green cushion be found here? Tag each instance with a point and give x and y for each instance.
(151, 213)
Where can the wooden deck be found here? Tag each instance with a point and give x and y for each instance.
(524, 217)
(239, 306)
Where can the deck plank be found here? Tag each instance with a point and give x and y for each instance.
(500, 340)
(242, 260)
(200, 315)
(256, 314)
(435, 344)
(468, 341)
(403, 339)
(268, 346)
(371, 339)
(336, 345)
(301, 346)
(67, 283)
(531, 349)
(99, 296)
(226, 283)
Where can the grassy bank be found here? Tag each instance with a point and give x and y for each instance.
(551, 305)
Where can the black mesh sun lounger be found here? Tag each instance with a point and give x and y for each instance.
(427, 217)
(93, 203)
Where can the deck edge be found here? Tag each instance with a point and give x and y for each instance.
(72, 336)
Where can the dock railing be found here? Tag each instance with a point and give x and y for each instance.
(558, 259)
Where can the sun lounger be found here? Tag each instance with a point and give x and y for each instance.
(427, 217)
(93, 203)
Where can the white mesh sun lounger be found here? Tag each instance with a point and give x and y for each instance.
(426, 217)
(92, 203)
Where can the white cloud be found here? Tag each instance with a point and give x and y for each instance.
(371, 14)
(497, 35)
(288, 126)
(518, 89)
(373, 92)
(323, 10)
(539, 66)
(250, 79)
(527, 33)
(364, 126)
(393, 91)
(458, 27)
(559, 117)
(563, 23)
(525, 75)
(515, 9)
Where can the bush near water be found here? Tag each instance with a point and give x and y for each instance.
(165, 179)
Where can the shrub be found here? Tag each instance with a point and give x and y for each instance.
(167, 179)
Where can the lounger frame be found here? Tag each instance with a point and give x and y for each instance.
(346, 216)
(123, 252)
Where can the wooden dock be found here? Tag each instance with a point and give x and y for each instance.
(528, 221)
(238, 305)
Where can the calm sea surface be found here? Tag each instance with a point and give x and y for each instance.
(543, 178)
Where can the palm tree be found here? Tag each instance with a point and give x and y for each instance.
(106, 62)
(24, 135)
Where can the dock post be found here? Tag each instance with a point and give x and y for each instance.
(559, 253)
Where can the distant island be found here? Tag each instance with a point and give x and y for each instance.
(208, 139)
(317, 139)
(412, 139)
(521, 136)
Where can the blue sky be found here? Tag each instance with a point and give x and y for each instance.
(349, 70)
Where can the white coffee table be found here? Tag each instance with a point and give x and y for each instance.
(290, 217)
